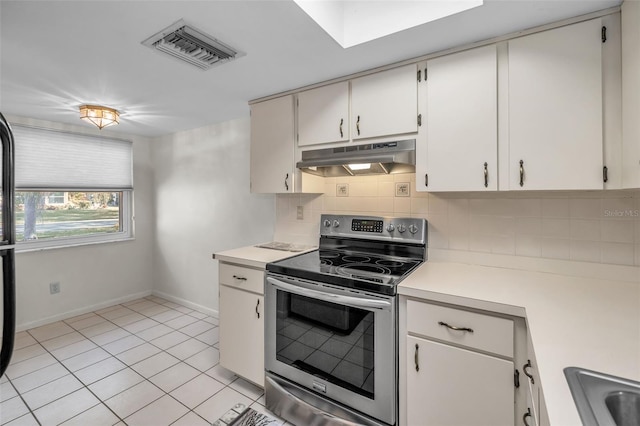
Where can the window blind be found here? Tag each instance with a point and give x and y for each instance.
(48, 159)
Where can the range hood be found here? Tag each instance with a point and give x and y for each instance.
(363, 159)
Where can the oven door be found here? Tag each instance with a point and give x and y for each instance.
(338, 343)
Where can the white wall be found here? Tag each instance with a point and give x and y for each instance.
(91, 276)
(203, 206)
(588, 226)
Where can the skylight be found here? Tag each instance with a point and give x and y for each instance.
(352, 22)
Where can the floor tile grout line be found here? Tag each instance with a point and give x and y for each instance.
(165, 394)
(178, 330)
(83, 386)
(59, 361)
(147, 379)
(25, 404)
(130, 365)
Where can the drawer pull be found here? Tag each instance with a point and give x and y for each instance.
(239, 278)
(415, 358)
(524, 418)
(257, 306)
(453, 327)
(526, 373)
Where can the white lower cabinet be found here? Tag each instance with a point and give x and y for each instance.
(461, 366)
(241, 318)
(534, 412)
(453, 386)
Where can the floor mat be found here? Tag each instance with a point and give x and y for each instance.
(241, 415)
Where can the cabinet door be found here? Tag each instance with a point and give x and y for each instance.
(462, 122)
(272, 146)
(631, 93)
(323, 114)
(457, 387)
(555, 109)
(385, 103)
(242, 333)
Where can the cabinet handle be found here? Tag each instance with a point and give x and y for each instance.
(526, 373)
(286, 183)
(426, 179)
(415, 358)
(605, 174)
(521, 173)
(486, 175)
(237, 277)
(341, 121)
(358, 125)
(257, 311)
(452, 327)
(524, 418)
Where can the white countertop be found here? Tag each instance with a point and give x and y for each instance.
(583, 322)
(256, 257)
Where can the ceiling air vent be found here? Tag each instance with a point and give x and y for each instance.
(191, 46)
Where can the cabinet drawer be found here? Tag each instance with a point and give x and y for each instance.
(242, 277)
(490, 334)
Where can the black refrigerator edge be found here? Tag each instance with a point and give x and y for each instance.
(7, 245)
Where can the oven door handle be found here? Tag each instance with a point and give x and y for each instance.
(356, 302)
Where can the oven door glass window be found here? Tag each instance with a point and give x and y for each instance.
(330, 341)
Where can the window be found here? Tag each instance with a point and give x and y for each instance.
(71, 189)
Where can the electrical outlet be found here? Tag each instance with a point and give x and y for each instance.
(402, 189)
(54, 288)
(342, 190)
(300, 213)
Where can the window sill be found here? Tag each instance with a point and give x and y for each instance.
(50, 245)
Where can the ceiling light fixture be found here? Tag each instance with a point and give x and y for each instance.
(99, 115)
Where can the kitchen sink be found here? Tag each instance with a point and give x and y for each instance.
(624, 407)
(604, 400)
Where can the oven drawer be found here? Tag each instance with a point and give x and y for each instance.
(490, 334)
(242, 277)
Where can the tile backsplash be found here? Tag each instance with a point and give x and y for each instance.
(591, 226)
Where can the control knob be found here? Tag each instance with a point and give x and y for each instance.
(390, 227)
(401, 228)
(336, 223)
(327, 223)
(413, 229)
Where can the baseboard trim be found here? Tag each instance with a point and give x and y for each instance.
(187, 303)
(81, 311)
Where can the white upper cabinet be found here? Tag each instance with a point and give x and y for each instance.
(272, 146)
(385, 103)
(323, 114)
(631, 93)
(461, 123)
(556, 109)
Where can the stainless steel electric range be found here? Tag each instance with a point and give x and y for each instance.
(331, 336)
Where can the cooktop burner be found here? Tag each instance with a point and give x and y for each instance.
(367, 253)
(346, 267)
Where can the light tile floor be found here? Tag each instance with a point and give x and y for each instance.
(144, 362)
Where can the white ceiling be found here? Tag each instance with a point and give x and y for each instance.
(57, 55)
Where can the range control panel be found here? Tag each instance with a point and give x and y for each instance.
(365, 225)
(401, 229)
